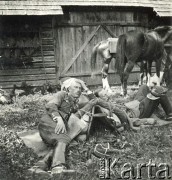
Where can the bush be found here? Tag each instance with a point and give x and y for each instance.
(24, 113)
(15, 157)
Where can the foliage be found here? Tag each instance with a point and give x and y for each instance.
(15, 157)
(24, 114)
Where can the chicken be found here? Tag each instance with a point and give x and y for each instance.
(24, 89)
(6, 97)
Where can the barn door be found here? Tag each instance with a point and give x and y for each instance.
(73, 50)
(71, 62)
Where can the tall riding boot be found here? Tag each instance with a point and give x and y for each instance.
(39, 170)
(59, 154)
(166, 105)
(147, 107)
(45, 163)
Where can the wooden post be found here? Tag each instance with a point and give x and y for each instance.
(42, 54)
(55, 53)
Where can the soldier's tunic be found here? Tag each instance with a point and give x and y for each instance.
(61, 105)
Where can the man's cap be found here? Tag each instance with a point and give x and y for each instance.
(67, 83)
(158, 91)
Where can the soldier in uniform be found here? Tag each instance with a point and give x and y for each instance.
(147, 100)
(67, 116)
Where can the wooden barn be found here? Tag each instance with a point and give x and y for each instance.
(44, 41)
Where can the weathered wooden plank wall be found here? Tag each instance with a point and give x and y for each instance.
(39, 72)
(72, 31)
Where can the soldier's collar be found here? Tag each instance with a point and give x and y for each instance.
(71, 98)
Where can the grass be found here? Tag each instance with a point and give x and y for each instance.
(132, 147)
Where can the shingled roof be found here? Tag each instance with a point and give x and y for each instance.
(29, 7)
(163, 8)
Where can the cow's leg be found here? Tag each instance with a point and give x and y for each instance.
(105, 74)
(163, 64)
(122, 78)
(127, 70)
(149, 64)
(141, 78)
(122, 83)
(155, 80)
(158, 67)
(106, 85)
(142, 72)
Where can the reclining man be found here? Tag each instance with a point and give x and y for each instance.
(147, 100)
(66, 117)
(145, 103)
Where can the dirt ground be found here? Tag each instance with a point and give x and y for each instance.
(134, 148)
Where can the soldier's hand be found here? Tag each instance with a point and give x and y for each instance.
(60, 126)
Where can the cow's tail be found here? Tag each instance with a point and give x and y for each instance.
(94, 56)
(120, 53)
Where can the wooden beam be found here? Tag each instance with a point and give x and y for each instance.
(21, 72)
(20, 78)
(35, 83)
(80, 50)
(40, 65)
(107, 23)
(109, 31)
(135, 70)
